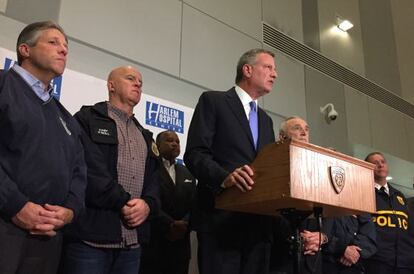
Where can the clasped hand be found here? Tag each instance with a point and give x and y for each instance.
(42, 220)
(135, 212)
(311, 242)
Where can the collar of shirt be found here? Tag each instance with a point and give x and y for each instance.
(37, 86)
(245, 99)
(170, 168)
(118, 112)
(378, 186)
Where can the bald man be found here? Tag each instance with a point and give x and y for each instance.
(122, 189)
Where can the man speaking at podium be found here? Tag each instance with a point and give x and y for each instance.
(226, 132)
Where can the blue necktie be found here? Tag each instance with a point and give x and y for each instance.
(253, 122)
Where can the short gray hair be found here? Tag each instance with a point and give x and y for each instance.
(249, 58)
(30, 35)
(283, 129)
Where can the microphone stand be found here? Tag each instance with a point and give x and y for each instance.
(295, 218)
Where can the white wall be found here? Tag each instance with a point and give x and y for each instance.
(3, 4)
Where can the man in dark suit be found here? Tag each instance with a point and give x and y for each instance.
(226, 132)
(168, 251)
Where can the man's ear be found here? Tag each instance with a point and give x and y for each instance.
(283, 136)
(247, 70)
(110, 85)
(24, 50)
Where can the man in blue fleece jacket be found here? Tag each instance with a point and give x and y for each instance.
(42, 169)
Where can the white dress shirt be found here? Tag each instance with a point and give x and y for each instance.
(170, 168)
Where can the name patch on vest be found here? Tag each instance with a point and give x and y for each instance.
(103, 131)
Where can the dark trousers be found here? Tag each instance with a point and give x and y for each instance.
(165, 266)
(80, 258)
(22, 253)
(161, 256)
(219, 257)
(377, 267)
(338, 268)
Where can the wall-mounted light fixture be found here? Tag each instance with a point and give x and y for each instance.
(343, 24)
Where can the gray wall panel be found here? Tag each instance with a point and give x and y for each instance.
(357, 113)
(311, 24)
(97, 63)
(35, 10)
(409, 129)
(285, 15)
(277, 120)
(381, 61)
(147, 31)
(388, 129)
(402, 14)
(345, 48)
(288, 95)
(210, 50)
(243, 15)
(321, 90)
(3, 5)
(9, 31)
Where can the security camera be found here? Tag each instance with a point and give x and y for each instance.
(329, 111)
(332, 115)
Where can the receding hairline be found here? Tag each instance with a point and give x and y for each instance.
(31, 33)
(116, 71)
(160, 135)
(283, 124)
(372, 154)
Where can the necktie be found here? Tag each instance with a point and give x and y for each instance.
(383, 190)
(253, 122)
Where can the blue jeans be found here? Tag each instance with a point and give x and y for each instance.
(80, 258)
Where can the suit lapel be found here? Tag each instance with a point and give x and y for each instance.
(178, 174)
(167, 176)
(237, 108)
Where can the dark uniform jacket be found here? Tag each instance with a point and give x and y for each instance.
(351, 230)
(104, 196)
(394, 238)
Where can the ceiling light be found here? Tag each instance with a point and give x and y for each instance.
(344, 25)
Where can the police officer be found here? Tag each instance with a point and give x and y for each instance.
(394, 237)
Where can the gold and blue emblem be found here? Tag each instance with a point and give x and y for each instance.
(154, 149)
(400, 200)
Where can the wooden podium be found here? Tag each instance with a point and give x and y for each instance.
(303, 176)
